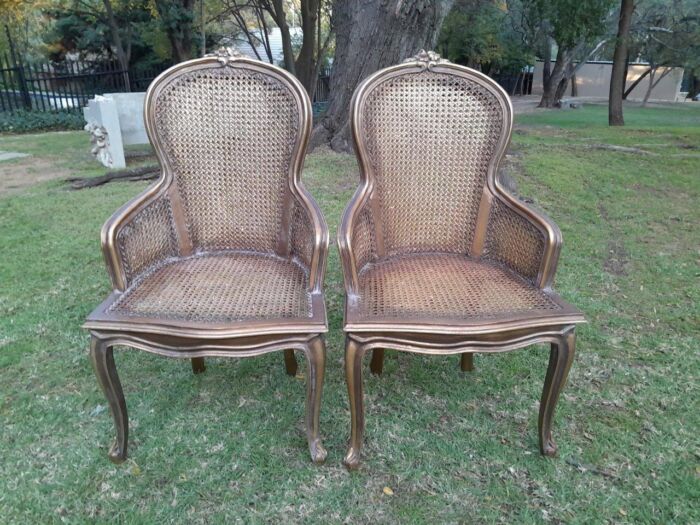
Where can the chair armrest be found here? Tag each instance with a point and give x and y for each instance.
(140, 234)
(309, 237)
(522, 239)
(356, 239)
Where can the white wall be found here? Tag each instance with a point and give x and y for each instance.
(593, 80)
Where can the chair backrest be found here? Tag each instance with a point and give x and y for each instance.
(429, 135)
(231, 134)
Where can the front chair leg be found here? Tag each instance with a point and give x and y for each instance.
(290, 362)
(316, 357)
(198, 365)
(467, 362)
(560, 358)
(377, 364)
(353, 375)
(102, 359)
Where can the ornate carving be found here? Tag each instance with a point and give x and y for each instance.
(428, 59)
(100, 143)
(225, 54)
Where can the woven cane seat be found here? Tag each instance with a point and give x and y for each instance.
(447, 289)
(219, 288)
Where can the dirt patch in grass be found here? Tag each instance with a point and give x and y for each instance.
(20, 174)
(617, 256)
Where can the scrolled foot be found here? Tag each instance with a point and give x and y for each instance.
(352, 459)
(549, 448)
(318, 452)
(116, 454)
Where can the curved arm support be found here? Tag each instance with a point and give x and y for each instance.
(356, 237)
(525, 240)
(309, 237)
(137, 235)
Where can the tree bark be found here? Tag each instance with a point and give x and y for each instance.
(279, 15)
(549, 95)
(371, 35)
(617, 77)
(305, 63)
(564, 82)
(547, 60)
(123, 54)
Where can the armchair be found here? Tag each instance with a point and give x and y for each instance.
(225, 254)
(438, 258)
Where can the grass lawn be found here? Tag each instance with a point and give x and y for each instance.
(228, 445)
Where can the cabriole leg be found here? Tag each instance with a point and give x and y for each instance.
(377, 364)
(198, 365)
(102, 359)
(353, 376)
(467, 362)
(316, 357)
(290, 362)
(560, 358)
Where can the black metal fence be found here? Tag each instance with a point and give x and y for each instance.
(515, 84)
(64, 86)
(68, 85)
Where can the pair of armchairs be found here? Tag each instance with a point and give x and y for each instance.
(225, 254)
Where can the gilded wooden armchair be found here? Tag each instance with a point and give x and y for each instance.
(437, 257)
(225, 255)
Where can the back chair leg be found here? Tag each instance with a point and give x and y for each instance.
(467, 362)
(376, 366)
(560, 358)
(102, 358)
(290, 362)
(353, 375)
(316, 357)
(198, 365)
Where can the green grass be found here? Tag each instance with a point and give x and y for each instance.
(228, 445)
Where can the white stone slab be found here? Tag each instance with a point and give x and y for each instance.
(130, 110)
(115, 120)
(9, 155)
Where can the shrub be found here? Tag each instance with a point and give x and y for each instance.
(28, 121)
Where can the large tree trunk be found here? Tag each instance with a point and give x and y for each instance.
(618, 75)
(564, 82)
(305, 65)
(549, 95)
(547, 60)
(371, 35)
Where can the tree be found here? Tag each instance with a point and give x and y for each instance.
(668, 35)
(177, 17)
(481, 34)
(250, 17)
(370, 35)
(574, 26)
(101, 27)
(618, 76)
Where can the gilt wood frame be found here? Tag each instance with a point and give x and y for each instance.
(198, 340)
(428, 336)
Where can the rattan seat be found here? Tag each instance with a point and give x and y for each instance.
(444, 289)
(219, 288)
(225, 254)
(438, 258)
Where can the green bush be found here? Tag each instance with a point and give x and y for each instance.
(27, 121)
